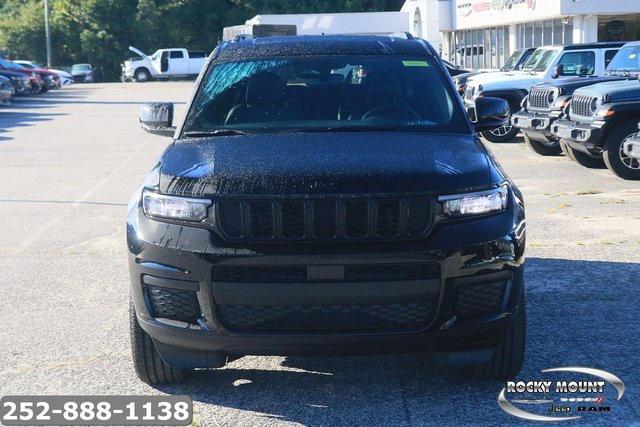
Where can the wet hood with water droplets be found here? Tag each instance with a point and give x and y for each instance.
(325, 163)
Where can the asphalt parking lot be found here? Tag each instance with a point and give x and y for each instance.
(69, 161)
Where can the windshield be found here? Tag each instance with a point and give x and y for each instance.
(627, 59)
(81, 67)
(545, 60)
(533, 59)
(322, 93)
(512, 61)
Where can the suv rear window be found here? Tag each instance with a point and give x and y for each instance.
(325, 93)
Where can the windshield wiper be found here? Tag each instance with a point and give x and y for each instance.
(216, 132)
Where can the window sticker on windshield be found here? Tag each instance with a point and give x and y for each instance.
(415, 63)
(632, 56)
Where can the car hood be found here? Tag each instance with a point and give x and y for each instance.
(567, 86)
(503, 79)
(325, 163)
(616, 91)
(139, 52)
(60, 73)
(11, 73)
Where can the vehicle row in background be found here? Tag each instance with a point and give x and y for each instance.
(515, 62)
(545, 64)
(590, 119)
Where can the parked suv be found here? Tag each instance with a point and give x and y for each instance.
(602, 117)
(326, 194)
(515, 62)
(548, 101)
(574, 60)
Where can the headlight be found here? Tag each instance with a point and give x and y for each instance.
(172, 207)
(483, 202)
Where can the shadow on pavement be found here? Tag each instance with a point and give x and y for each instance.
(11, 119)
(582, 313)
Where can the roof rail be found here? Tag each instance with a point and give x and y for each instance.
(403, 35)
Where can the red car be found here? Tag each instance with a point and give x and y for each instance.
(37, 82)
(51, 79)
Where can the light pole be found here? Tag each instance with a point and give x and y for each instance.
(46, 32)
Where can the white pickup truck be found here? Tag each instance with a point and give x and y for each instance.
(163, 64)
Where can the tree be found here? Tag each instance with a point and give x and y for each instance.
(100, 31)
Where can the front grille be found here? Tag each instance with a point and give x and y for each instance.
(173, 304)
(479, 299)
(540, 98)
(324, 219)
(581, 105)
(352, 273)
(406, 316)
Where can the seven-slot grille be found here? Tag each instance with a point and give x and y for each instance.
(328, 218)
(581, 105)
(539, 98)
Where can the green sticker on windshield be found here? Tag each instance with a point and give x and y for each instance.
(415, 63)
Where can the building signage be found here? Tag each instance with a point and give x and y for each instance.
(468, 7)
(478, 13)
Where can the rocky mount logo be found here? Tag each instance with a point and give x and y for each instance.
(562, 399)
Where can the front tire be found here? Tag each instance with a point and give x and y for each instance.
(502, 134)
(565, 149)
(617, 161)
(147, 362)
(585, 160)
(508, 358)
(142, 75)
(549, 148)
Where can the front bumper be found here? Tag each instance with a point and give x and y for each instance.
(535, 125)
(470, 261)
(584, 137)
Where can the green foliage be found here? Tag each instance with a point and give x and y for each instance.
(99, 31)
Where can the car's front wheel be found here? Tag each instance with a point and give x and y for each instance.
(617, 161)
(585, 160)
(147, 362)
(565, 149)
(142, 75)
(508, 358)
(544, 148)
(502, 134)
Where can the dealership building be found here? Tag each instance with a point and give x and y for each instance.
(480, 33)
(483, 33)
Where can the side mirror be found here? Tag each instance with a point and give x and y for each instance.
(157, 118)
(490, 113)
(559, 71)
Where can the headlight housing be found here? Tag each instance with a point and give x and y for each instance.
(480, 203)
(157, 205)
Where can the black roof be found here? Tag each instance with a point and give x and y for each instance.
(321, 45)
(596, 45)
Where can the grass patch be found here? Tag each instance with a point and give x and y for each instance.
(588, 192)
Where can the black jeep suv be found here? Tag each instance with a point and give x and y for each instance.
(326, 194)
